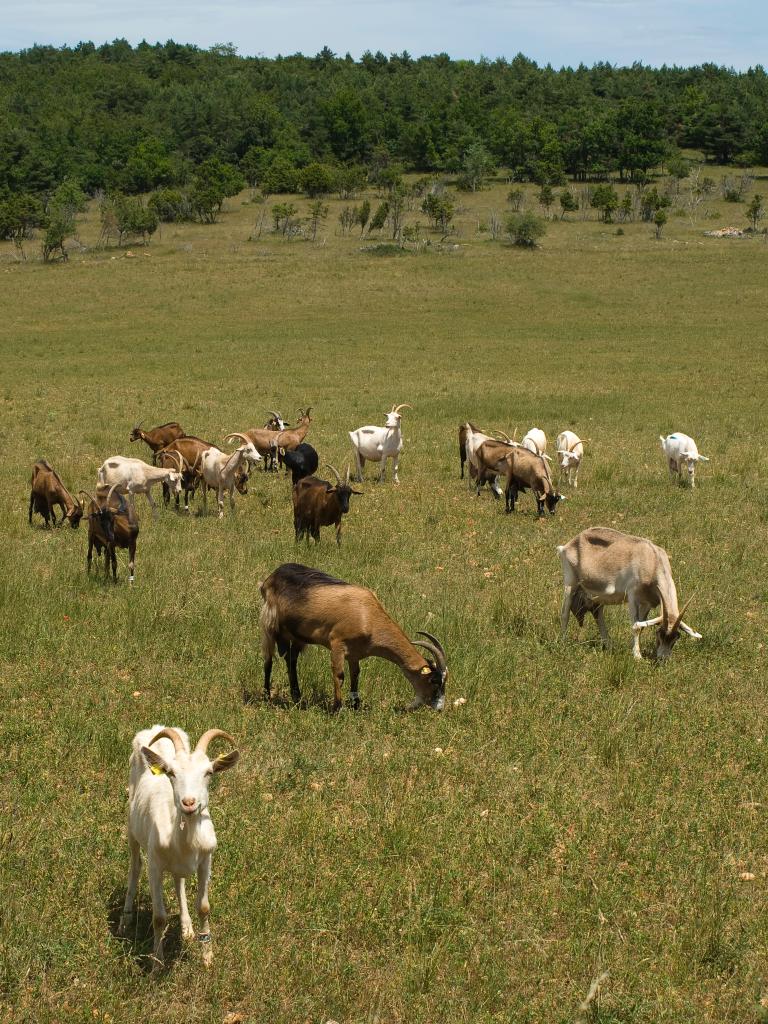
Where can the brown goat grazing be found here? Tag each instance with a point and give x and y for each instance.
(47, 491)
(112, 524)
(319, 503)
(523, 471)
(304, 606)
(157, 437)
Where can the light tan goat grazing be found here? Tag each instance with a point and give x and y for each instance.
(602, 566)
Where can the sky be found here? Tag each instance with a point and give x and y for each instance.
(559, 32)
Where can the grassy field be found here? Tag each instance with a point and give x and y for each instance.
(579, 814)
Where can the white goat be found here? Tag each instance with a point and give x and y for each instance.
(570, 451)
(219, 468)
(377, 444)
(682, 455)
(602, 566)
(168, 818)
(132, 476)
(536, 441)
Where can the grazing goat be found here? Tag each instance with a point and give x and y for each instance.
(489, 463)
(570, 452)
(133, 477)
(112, 524)
(536, 441)
(523, 471)
(219, 470)
(377, 444)
(157, 437)
(301, 462)
(263, 438)
(682, 455)
(602, 566)
(47, 491)
(318, 503)
(168, 819)
(304, 606)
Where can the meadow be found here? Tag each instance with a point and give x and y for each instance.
(580, 815)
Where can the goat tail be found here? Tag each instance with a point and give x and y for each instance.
(270, 627)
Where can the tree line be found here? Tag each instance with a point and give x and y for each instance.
(194, 126)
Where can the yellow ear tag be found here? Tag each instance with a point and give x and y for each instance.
(426, 671)
(156, 769)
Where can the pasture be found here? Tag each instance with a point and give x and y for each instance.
(579, 814)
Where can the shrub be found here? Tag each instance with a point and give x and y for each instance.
(170, 205)
(525, 229)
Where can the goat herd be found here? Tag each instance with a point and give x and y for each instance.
(168, 792)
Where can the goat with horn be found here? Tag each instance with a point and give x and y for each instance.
(168, 819)
(377, 444)
(319, 503)
(304, 606)
(603, 566)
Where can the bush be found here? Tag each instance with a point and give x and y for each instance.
(61, 225)
(317, 180)
(170, 205)
(525, 229)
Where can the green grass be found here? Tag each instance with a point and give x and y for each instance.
(587, 813)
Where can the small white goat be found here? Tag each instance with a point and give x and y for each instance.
(168, 818)
(570, 451)
(377, 444)
(133, 476)
(682, 456)
(219, 470)
(536, 441)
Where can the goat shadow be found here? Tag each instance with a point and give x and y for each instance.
(139, 943)
(316, 699)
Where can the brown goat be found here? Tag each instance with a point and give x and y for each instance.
(263, 439)
(47, 491)
(523, 471)
(304, 606)
(157, 437)
(112, 524)
(287, 440)
(319, 503)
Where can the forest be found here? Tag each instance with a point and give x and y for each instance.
(134, 119)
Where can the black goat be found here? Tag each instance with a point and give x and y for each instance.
(302, 461)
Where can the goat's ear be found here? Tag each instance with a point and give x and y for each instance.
(361, 493)
(157, 764)
(224, 761)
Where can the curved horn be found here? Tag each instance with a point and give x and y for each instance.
(684, 609)
(173, 736)
(504, 436)
(335, 473)
(346, 478)
(109, 494)
(638, 626)
(89, 496)
(434, 640)
(236, 433)
(276, 415)
(439, 659)
(403, 406)
(208, 735)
